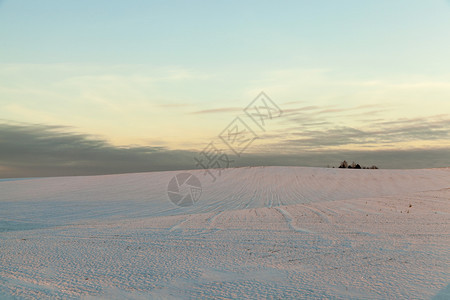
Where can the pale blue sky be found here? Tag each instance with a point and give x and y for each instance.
(149, 73)
(367, 38)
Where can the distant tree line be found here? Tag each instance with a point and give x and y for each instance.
(353, 165)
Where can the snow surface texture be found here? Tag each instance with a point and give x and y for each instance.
(262, 232)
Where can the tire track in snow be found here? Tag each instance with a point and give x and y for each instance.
(287, 216)
(177, 226)
(319, 213)
(210, 221)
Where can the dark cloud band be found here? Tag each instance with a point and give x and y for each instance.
(30, 150)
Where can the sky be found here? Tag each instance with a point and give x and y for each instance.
(96, 87)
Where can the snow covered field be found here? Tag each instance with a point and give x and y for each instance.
(262, 232)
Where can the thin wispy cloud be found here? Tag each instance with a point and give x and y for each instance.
(323, 135)
(291, 111)
(174, 105)
(218, 110)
